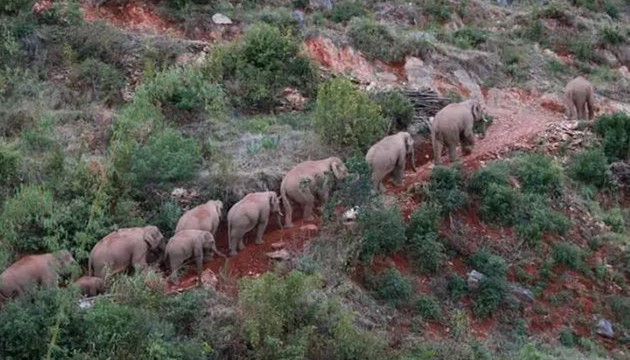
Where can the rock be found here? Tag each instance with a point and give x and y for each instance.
(320, 4)
(521, 293)
(221, 19)
(604, 328)
(609, 58)
(418, 74)
(350, 215)
(86, 303)
(466, 81)
(293, 100)
(278, 245)
(624, 72)
(621, 172)
(309, 227)
(623, 54)
(281, 255)
(298, 15)
(474, 278)
(504, 2)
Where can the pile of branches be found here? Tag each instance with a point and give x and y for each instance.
(426, 103)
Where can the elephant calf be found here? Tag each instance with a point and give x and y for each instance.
(252, 211)
(31, 270)
(390, 154)
(578, 94)
(90, 285)
(454, 125)
(204, 217)
(189, 244)
(307, 181)
(123, 248)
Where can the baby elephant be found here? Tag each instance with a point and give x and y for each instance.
(31, 270)
(189, 244)
(578, 94)
(454, 125)
(90, 285)
(252, 211)
(390, 154)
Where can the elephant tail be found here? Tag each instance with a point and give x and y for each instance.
(90, 267)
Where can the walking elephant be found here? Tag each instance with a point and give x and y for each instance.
(578, 94)
(32, 270)
(189, 244)
(390, 154)
(204, 217)
(454, 125)
(90, 285)
(123, 248)
(308, 181)
(252, 211)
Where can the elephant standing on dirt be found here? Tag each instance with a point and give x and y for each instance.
(90, 285)
(306, 181)
(578, 94)
(390, 154)
(454, 125)
(42, 269)
(204, 217)
(252, 211)
(123, 248)
(189, 244)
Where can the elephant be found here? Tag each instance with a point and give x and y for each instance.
(390, 154)
(90, 285)
(41, 269)
(123, 248)
(578, 94)
(307, 181)
(251, 211)
(453, 124)
(187, 244)
(204, 217)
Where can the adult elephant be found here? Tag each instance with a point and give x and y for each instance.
(308, 181)
(204, 217)
(251, 211)
(578, 95)
(454, 125)
(189, 244)
(123, 248)
(32, 270)
(390, 154)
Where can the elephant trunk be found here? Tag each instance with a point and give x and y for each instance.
(216, 251)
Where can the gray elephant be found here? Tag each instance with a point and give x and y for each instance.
(454, 125)
(252, 211)
(189, 244)
(204, 217)
(123, 248)
(578, 94)
(32, 270)
(90, 285)
(308, 181)
(390, 154)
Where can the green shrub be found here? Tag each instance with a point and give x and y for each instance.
(611, 9)
(396, 108)
(497, 173)
(616, 219)
(14, 6)
(346, 117)
(438, 9)
(538, 174)
(567, 338)
(9, 163)
(611, 36)
(429, 308)
(591, 167)
(582, 49)
(620, 306)
(534, 31)
(103, 81)
(491, 294)
(256, 70)
(489, 264)
(500, 204)
(166, 157)
(167, 216)
(468, 38)
(383, 231)
(534, 218)
(391, 286)
(570, 255)
(280, 18)
(427, 252)
(445, 188)
(346, 10)
(457, 287)
(425, 220)
(615, 130)
(64, 13)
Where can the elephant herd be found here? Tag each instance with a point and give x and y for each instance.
(308, 183)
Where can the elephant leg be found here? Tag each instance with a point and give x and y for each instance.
(591, 106)
(309, 204)
(262, 225)
(438, 147)
(235, 239)
(199, 266)
(288, 215)
(398, 172)
(452, 151)
(580, 109)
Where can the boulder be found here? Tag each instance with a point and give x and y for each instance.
(474, 279)
(320, 4)
(281, 255)
(298, 15)
(521, 294)
(221, 19)
(604, 328)
(609, 58)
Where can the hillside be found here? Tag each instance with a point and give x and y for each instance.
(126, 113)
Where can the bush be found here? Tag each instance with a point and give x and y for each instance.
(438, 9)
(497, 173)
(535, 31)
(616, 219)
(383, 231)
(425, 220)
(14, 6)
(345, 116)
(582, 49)
(534, 218)
(615, 130)
(591, 167)
(468, 38)
(489, 264)
(611, 36)
(429, 308)
(103, 81)
(427, 252)
(9, 163)
(500, 204)
(281, 18)
(166, 157)
(396, 108)
(570, 255)
(620, 306)
(538, 174)
(391, 286)
(491, 294)
(346, 10)
(256, 70)
(567, 338)
(445, 188)
(457, 287)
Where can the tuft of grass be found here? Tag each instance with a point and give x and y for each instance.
(611, 36)
(489, 264)
(570, 255)
(470, 38)
(429, 308)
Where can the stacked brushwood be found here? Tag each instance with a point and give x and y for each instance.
(426, 103)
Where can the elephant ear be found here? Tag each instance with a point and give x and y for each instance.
(152, 236)
(218, 205)
(273, 199)
(475, 109)
(208, 239)
(336, 166)
(408, 142)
